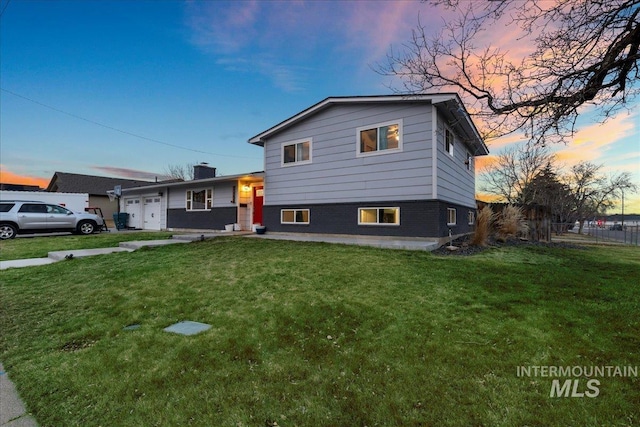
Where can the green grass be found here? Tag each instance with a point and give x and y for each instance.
(313, 334)
(40, 246)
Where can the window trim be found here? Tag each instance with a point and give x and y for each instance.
(455, 216)
(296, 162)
(471, 217)
(377, 126)
(378, 208)
(208, 199)
(282, 221)
(449, 150)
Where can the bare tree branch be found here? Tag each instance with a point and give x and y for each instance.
(183, 172)
(586, 53)
(514, 170)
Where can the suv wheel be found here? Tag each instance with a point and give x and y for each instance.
(7, 231)
(86, 227)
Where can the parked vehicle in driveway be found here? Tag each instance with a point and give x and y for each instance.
(39, 217)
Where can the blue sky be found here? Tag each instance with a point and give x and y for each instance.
(126, 88)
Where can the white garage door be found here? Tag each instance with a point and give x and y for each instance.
(134, 208)
(152, 213)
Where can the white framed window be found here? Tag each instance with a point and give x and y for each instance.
(294, 216)
(379, 216)
(451, 216)
(296, 152)
(380, 138)
(199, 200)
(448, 141)
(472, 217)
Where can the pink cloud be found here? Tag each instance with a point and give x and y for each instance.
(129, 173)
(375, 27)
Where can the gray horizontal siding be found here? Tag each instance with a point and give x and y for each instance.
(336, 174)
(222, 194)
(455, 183)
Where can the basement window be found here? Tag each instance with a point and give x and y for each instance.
(294, 216)
(451, 216)
(379, 216)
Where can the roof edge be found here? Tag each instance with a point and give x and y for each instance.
(431, 98)
(196, 181)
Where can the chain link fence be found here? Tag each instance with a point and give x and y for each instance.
(615, 233)
(627, 234)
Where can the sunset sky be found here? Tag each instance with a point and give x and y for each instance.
(127, 88)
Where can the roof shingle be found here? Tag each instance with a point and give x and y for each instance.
(63, 182)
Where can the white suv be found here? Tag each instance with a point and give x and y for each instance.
(37, 217)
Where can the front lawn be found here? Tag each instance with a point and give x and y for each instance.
(314, 334)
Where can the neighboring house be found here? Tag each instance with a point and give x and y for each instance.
(376, 165)
(95, 186)
(206, 202)
(18, 187)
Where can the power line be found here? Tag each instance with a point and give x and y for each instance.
(75, 116)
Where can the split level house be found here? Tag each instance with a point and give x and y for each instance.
(372, 165)
(378, 165)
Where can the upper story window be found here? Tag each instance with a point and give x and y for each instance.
(379, 139)
(448, 141)
(200, 200)
(296, 152)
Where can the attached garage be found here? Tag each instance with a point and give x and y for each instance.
(145, 212)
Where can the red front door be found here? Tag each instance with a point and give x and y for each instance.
(258, 197)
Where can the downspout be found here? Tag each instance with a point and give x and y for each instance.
(434, 152)
(166, 210)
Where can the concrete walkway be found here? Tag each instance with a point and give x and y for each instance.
(415, 243)
(12, 410)
(82, 253)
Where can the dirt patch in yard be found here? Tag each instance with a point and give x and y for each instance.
(466, 248)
